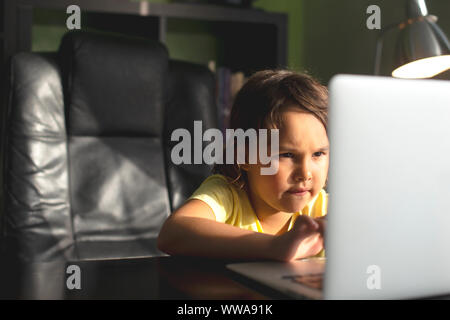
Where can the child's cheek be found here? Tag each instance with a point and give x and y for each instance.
(271, 180)
(323, 173)
(281, 178)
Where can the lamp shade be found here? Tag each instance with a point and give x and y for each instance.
(423, 50)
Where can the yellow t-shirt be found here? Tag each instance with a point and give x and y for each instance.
(232, 206)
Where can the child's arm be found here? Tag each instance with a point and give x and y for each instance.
(192, 230)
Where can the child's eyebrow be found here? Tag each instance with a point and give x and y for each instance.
(289, 148)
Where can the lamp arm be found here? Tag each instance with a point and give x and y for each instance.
(379, 46)
(378, 53)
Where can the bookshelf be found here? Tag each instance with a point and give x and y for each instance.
(251, 39)
(248, 39)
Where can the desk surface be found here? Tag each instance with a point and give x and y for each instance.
(141, 278)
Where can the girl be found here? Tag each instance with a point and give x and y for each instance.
(237, 213)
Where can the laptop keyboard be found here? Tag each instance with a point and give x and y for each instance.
(314, 281)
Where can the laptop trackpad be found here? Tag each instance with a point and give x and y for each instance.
(297, 278)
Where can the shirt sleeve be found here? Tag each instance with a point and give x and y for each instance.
(216, 193)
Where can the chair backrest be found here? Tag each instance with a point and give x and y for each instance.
(86, 167)
(191, 98)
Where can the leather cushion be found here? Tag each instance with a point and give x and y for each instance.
(113, 85)
(191, 92)
(38, 222)
(118, 189)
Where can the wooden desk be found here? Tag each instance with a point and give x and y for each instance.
(141, 278)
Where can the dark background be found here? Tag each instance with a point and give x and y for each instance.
(325, 37)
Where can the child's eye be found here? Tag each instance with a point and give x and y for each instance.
(287, 155)
(318, 154)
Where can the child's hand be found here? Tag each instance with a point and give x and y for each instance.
(322, 221)
(305, 239)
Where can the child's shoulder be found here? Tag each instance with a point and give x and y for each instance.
(216, 177)
(219, 194)
(217, 180)
(215, 183)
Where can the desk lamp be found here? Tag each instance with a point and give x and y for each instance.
(423, 49)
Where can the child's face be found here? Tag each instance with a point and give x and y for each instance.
(303, 165)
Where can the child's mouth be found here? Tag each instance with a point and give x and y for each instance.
(298, 192)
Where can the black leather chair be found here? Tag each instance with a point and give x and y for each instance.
(87, 172)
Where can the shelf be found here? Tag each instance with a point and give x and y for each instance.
(250, 39)
(170, 10)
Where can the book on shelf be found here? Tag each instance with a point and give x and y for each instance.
(228, 84)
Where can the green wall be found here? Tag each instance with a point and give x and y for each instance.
(336, 39)
(191, 41)
(48, 28)
(294, 9)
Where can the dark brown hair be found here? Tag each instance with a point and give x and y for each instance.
(261, 102)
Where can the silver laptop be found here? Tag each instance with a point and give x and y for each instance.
(388, 233)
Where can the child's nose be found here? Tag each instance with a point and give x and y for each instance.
(303, 172)
(304, 177)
